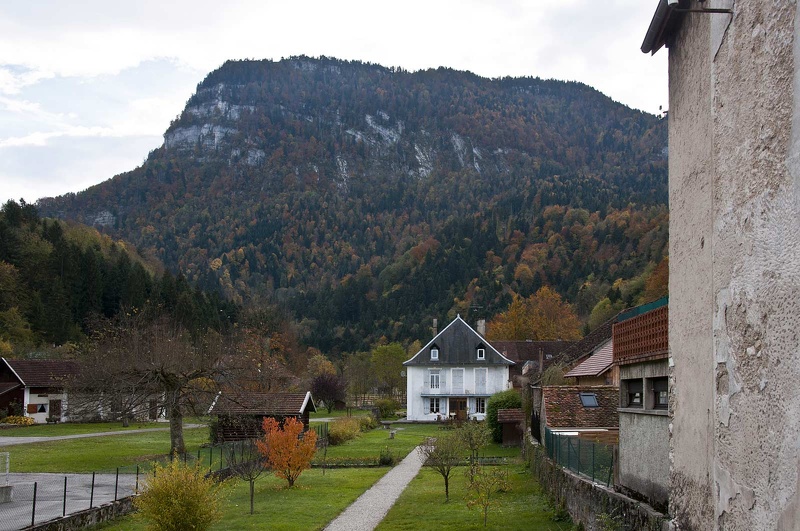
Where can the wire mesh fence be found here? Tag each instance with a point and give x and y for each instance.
(31, 499)
(594, 460)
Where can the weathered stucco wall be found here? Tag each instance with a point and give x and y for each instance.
(691, 301)
(643, 455)
(735, 269)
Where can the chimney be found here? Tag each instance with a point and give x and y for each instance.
(541, 360)
(435, 326)
(482, 327)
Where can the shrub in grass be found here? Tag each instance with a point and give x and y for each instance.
(387, 458)
(508, 399)
(343, 429)
(367, 423)
(180, 497)
(387, 407)
(19, 420)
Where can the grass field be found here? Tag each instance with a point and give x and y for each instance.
(311, 504)
(75, 428)
(95, 454)
(422, 505)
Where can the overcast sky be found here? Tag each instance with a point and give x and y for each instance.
(88, 87)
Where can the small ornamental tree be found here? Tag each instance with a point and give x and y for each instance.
(508, 399)
(180, 497)
(329, 388)
(287, 453)
(475, 435)
(483, 485)
(246, 462)
(442, 454)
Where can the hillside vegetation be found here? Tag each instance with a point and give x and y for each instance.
(363, 201)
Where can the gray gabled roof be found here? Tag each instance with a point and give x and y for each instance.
(458, 344)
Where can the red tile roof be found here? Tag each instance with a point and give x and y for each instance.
(505, 416)
(43, 373)
(263, 404)
(564, 409)
(596, 364)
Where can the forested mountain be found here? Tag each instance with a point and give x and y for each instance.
(60, 281)
(365, 200)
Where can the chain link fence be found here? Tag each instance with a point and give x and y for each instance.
(30, 499)
(594, 460)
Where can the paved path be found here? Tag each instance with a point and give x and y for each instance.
(11, 441)
(371, 507)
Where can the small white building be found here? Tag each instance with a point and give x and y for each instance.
(454, 374)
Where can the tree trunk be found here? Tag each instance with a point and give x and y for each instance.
(177, 445)
(125, 421)
(252, 482)
(447, 488)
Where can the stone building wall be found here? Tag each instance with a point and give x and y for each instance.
(735, 268)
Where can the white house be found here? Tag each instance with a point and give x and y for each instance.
(454, 374)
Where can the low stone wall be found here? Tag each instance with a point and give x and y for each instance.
(594, 506)
(89, 517)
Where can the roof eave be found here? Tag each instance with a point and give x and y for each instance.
(664, 22)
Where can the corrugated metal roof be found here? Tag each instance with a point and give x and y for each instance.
(596, 364)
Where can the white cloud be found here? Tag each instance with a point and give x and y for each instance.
(77, 71)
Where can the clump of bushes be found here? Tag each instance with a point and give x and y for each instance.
(19, 420)
(367, 423)
(387, 407)
(343, 429)
(180, 497)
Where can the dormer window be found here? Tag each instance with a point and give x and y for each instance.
(434, 353)
(481, 353)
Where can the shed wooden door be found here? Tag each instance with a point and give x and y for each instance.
(55, 409)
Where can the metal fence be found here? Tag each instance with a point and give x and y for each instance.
(594, 460)
(31, 499)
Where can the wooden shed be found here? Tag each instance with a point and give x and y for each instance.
(511, 420)
(241, 414)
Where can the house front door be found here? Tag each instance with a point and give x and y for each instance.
(458, 408)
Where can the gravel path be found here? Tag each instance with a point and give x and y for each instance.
(371, 507)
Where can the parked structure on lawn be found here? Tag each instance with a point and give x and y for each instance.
(36, 387)
(454, 374)
(240, 414)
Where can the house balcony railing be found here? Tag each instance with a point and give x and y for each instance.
(448, 390)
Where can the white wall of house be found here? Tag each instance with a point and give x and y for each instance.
(419, 391)
(42, 403)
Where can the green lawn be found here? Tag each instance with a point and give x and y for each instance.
(406, 438)
(311, 504)
(322, 413)
(75, 428)
(422, 505)
(94, 454)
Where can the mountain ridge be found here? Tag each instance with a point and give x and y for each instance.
(314, 183)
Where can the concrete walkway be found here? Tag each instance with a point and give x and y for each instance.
(11, 441)
(371, 507)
